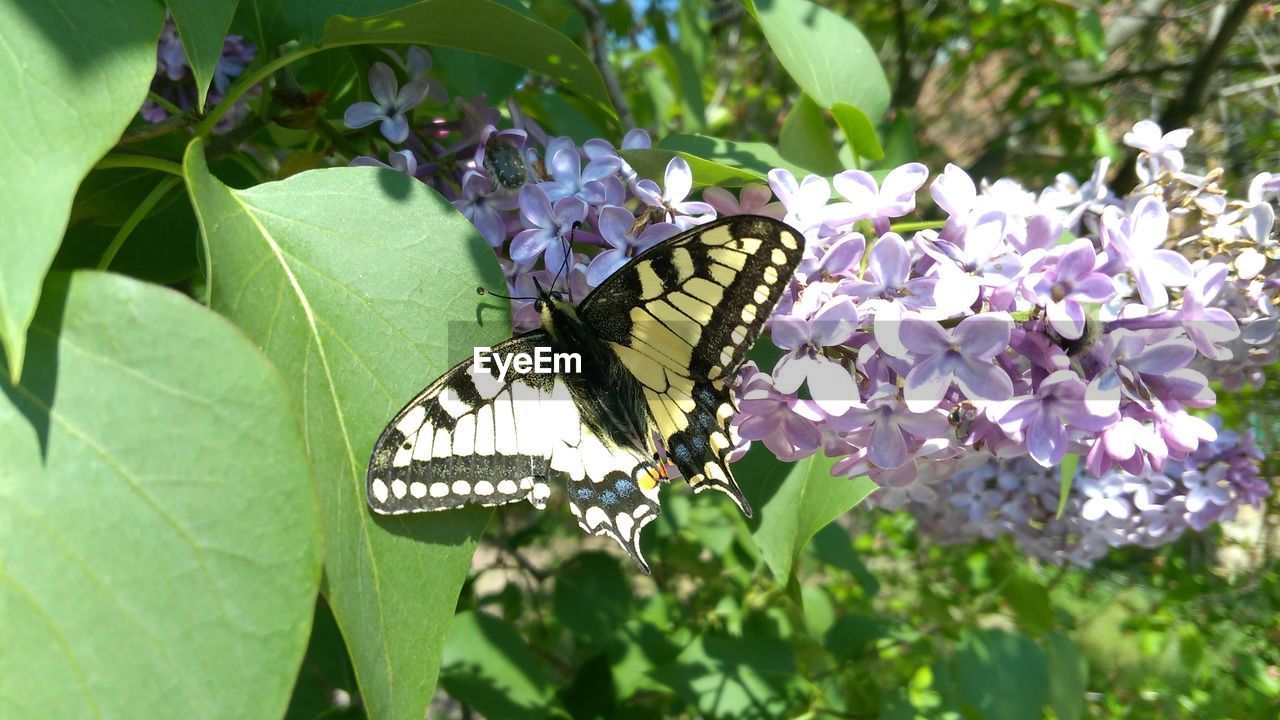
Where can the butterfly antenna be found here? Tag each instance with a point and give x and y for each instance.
(568, 253)
(482, 291)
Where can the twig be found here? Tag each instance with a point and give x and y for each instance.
(596, 38)
(169, 124)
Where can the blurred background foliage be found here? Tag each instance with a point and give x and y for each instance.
(868, 619)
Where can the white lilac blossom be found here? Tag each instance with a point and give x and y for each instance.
(955, 366)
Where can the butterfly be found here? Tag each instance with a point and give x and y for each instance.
(657, 346)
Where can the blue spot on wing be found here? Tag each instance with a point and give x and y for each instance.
(609, 497)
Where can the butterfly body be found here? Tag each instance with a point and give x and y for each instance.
(659, 342)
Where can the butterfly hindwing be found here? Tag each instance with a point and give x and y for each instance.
(682, 316)
(470, 439)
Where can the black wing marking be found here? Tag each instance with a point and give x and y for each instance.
(470, 439)
(682, 316)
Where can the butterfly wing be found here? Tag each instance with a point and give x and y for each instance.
(472, 439)
(681, 317)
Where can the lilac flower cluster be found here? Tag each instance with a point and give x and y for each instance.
(174, 81)
(1020, 328)
(981, 497)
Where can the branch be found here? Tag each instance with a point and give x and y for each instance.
(595, 37)
(1196, 89)
(1124, 73)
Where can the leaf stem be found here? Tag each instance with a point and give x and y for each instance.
(143, 162)
(922, 225)
(139, 213)
(246, 82)
(164, 102)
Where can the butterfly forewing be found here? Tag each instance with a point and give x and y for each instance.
(681, 318)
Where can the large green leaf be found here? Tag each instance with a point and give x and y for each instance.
(753, 676)
(360, 284)
(159, 530)
(488, 666)
(805, 138)
(1000, 675)
(858, 131)
(202, 25)
(825, 54)
(714, 161)
(592, 597)
(481, 26)
(72, 74)
(1068, 677)
(794, 501)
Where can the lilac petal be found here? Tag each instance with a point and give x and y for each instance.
(412, 95)
(1093, 288)
(757, 427)
(678, 180)
(1150, 289)
(753, 197)
(615, 225)
(898, 191)
(926, 384)
(1067, 318)
(983, 336)
(887, 448)
(1169, 267)
(981, 381)
(527, 245)
(790, 332)
(953, 190)
(1017, 414)
(923, 337)
(565, 166)
(844, 255)
(395, 128)
(832, 386)
(362, 114)
(890, 260)
(1046, 440)
(924, 425)
(600, 168)
(783, 184)
(1208, 283)
(554, 256)
(722, 200)
(1082, 414)
(1149, 224)
(635, 138)
(858, 187)
(1078, 260)
(535, 207)
(1164, 357)
(956, 291)
(803, 434)
(1103, 394)
(382, 84)
(604, 265)
(791, 372)
(835, 322)
(491, 225)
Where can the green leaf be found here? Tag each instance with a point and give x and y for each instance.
(468, 74)
(1066, 475)
(1068, 677)
(360, 284)
(263, 22)
(805, 139)
(827, 56)
(163, 249)
(858, 131)
(159, 535)
(308, 17)
(592, 597)
(481, 26)
(690, 55)
(1001, 675)
(72, 75)
(1030, 602)
(651, 163)
(488, 666)
(202, 25)
(326, 678)
(793, 501)
(714, 161)
(750, 676)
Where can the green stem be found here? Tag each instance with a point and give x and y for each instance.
(912, 226)
(139, 213)
(164, 103)
(245, 83)
(143, 162)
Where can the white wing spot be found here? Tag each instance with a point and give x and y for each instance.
(439, 490)
(541, 491)
(461, 487)
(624, 523)
(379, 490)
(526, 483)
(418, 489)
(595, 516)
(788, 241)
(761, 294)
(507, 487)
(771, 275)
(738, 335)
(398, 488)
(748, 313)
(484, 487)
(778, 257)
(451, 404)
(412, 420)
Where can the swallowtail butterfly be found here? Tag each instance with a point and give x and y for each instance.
(660, 341)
